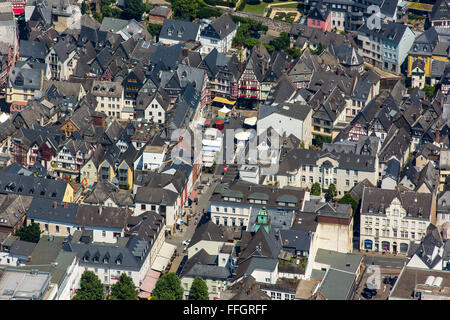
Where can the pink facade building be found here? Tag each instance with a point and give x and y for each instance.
(319, 19)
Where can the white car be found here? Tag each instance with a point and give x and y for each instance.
(186, 242)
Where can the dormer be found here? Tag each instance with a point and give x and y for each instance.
(119, 259)
(106, 258)
(97, 257)
(86, 256)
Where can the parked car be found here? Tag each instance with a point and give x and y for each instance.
(393, 280)
(186, 242)
(366, 295)
(373, 292)
(387, 280)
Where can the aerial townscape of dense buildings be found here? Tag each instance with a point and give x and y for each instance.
(243, 149)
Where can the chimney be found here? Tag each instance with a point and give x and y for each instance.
(335, 204)
(55, 204)
(65, 205)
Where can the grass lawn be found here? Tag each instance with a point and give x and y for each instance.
(259, 8)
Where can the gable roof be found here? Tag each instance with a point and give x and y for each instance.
(219, 28)
(32, 49)
(179, 30)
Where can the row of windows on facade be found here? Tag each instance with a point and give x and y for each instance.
(119, 272)
(311, 180)
(117, 106)
(395, 212)
(233, 221)
(277, 295)
(394, 233)
(57, 229)
(328, 170)
(110, 99)
(386, 222)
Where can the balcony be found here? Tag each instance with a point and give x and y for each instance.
(253, 88)
(243, 87)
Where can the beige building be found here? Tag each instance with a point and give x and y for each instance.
(109, 96)
(444, 168)
(302, 168)
(23, 84)
(392, 219)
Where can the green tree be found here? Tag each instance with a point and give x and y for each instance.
(154, 29)
(91, 288)
(199, 289)
(30, 233)
(318, 50)
(106, 11)
(269, 47)
(429, 90)
(116, 12)
(282, 42)
(302, 145)
(184, 9)
(316, 189)
(331, 192)
(348, 199)
(206, 13)
(148, 7)
(251, 42)
(319, 140)
(294, 52)
(133, 9)
(168, 287)
(124, 289)
(83, 8)
(96, 17)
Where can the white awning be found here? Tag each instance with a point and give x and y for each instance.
(163, 257)
(160, 263)
(250, 121)
(242, 136)
(224, 110)
(167, 250)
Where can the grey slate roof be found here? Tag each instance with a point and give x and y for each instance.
(346, 262)
(24, 78)
(155, 195)
(44, 210)
(296, 239)
(441, 11)
(179, 30)
(297, 157)
(219, 27)
(208, 272)
(375, 201)
(32, 49)
(291, 110)
(113, 24)
(22, 248)
(328, 209)
(32, 186)
(425, 43)
(391, 31)
(131, 257)
(337, 285)
(210, 231)
(279, 219)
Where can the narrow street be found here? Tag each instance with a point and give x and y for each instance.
(187, 232)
